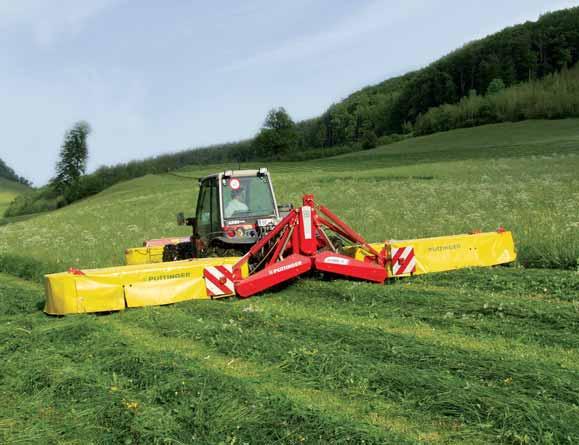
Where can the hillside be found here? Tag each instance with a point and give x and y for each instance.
(523, 53)
(8, 173)
(453, 182)
(555, 96)
(517, 54)
(530, 60)
(11, 185)
(470, 357)
(8, 191)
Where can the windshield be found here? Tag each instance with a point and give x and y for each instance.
(246, 197)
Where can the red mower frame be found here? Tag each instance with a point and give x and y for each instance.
(300, 243)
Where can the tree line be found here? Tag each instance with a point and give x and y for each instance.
(8, 173)
(520, 53)
(555, 96)
(473, 85)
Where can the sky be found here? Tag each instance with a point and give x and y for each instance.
(155, 77)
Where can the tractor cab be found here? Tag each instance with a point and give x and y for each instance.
(236, 196)
(235, 208)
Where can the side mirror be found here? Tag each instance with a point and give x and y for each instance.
(191, 221)
(180, 219)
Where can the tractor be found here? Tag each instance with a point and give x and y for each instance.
(235, 209)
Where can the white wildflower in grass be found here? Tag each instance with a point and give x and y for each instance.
(535, 198)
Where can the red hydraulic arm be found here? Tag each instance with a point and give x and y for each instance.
(299, 244)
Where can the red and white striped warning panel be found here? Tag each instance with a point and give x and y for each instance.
(403, 260)
(219, 280)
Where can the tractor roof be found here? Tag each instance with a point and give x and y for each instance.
(236, 173)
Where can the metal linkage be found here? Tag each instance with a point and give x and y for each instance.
(299, 244)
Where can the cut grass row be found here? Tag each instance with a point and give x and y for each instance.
(425, 361)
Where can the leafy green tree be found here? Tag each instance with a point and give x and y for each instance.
(278, 119)
(429, 88)
(496, 86)
(278, 136)
(368, 139)
(72, 163)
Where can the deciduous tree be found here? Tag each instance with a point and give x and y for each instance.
(73, 156)
(278, 135)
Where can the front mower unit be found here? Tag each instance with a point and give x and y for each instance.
(301, 242)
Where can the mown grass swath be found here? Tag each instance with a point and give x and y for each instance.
(452, 358)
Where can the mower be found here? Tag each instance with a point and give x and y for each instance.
(244, 244)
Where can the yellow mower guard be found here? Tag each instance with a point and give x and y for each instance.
(114, 288)
(443, 253)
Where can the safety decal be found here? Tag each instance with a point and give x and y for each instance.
(234, 184)
(219, 280)
(403, 260)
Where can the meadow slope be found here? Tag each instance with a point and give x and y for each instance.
(522, 176)
(8, 191)
(469, 357)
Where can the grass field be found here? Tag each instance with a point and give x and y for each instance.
(523, 176)
(469, 357)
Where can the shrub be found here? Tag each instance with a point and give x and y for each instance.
(553, 97)
(35, 201)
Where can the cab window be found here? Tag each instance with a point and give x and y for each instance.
(204, 208)
(215, 214)
(247, 197)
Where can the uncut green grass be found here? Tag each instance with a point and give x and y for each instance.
(522, 176)
(467, 357)
(470, 357)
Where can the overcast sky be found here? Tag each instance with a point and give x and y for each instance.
(153, 77)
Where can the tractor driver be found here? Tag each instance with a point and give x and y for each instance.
(236, 204)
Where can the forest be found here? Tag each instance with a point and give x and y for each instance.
(517, 54)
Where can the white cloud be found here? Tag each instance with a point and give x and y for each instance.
(46, 20)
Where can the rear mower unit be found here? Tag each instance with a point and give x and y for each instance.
(308, 239)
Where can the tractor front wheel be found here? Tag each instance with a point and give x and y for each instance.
(170, 253)
(218, 250)
(176, 252)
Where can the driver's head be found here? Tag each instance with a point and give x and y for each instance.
(237, 194)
